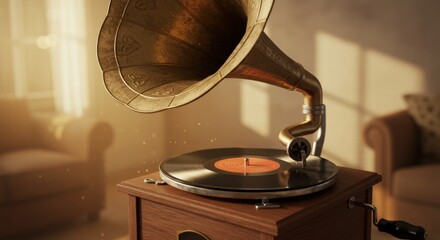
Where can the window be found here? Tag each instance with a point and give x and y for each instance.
(43, 53)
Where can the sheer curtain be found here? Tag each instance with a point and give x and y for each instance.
(69, 63)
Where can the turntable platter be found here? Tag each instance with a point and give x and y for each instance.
(247, 173)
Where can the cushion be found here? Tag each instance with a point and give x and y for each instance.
(32, 173)
(418, 184)
(15, 124)
(426, 112)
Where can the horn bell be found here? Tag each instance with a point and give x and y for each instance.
(162, 54)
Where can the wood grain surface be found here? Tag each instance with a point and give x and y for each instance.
(162, 210)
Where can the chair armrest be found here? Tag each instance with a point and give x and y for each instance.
(86, 138)
(395, 141)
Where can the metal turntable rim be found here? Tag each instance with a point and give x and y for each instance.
(247, 194)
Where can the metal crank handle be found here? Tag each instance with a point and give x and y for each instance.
(399, 229)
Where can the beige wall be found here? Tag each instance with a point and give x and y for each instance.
(367, 54)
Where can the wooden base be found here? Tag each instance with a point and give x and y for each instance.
(161, 212)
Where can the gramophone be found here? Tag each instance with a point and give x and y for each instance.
(157, 55)
(161, 54)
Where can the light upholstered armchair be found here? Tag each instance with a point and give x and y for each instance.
(410, 183)
(51, 168)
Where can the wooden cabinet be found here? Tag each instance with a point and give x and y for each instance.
(161, 212)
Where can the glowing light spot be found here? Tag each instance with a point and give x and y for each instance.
(45, 42)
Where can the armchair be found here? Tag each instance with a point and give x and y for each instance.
(409, 188)
(51, 168)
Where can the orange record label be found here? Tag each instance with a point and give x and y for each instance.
(247, 165)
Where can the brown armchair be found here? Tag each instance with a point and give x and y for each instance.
(409, 190)
(51, 168)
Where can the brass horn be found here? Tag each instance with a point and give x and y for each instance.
(160, 54)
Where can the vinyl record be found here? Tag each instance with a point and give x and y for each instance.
(247, 173)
